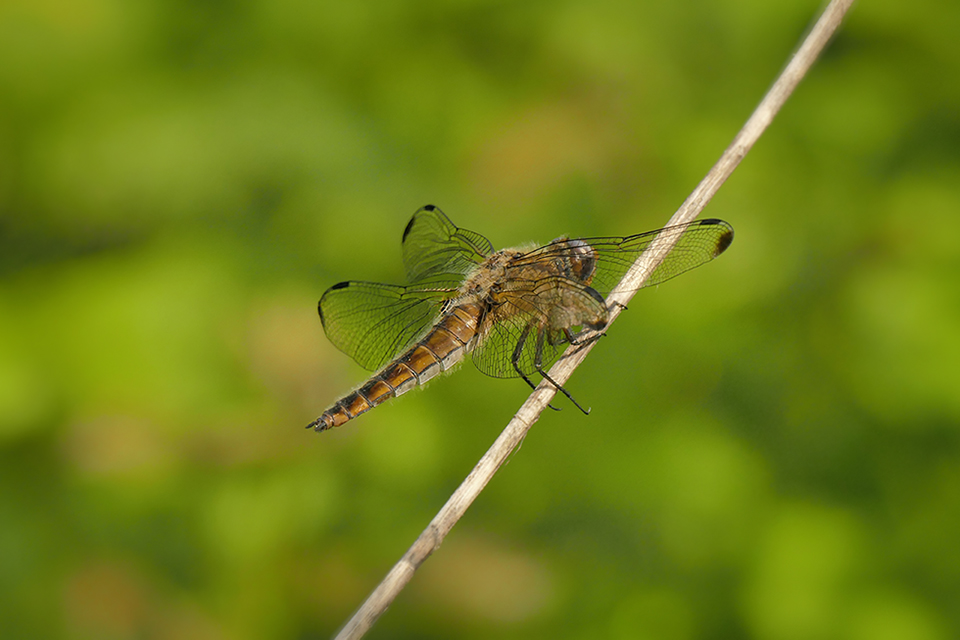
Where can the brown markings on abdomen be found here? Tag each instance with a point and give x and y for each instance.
(439, 350)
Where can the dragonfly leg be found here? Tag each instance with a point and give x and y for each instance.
(538, 363)
(515, 360)
(577, 341)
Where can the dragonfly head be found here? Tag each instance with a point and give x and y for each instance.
(578, 259)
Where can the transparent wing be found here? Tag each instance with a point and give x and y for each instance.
(513, 340)
(526, 326)
(435, 248)
(551, 290)
(698, 242)
(373, 323)
(511, 347)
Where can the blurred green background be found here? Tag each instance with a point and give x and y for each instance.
(774, 448)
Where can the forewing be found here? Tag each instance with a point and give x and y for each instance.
(698, 242)
(373, 323)
(434, 247)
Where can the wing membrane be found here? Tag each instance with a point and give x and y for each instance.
(514, 340)
(698, 242)
(373, 323)
(434, 247)
(528, 324)
(509, 340)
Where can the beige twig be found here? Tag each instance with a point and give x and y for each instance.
(428, 542)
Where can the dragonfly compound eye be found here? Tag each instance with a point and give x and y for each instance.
(582, 260)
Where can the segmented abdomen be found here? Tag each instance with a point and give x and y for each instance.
(438, 351)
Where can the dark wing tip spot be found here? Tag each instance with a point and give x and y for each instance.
(406, 231)
(725, 239)
(723, 242)
(339, 285)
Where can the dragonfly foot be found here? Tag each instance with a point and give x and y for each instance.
(560, 388)
(581, 339)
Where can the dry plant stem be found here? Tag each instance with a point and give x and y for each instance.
(530, 411)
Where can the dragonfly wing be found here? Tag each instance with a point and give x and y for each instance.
(510, 348)
(529, 323)
(434, 247)
(373, 323)
(698, 242)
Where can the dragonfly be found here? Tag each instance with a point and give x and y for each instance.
(513, 311)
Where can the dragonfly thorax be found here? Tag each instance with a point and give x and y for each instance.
(488, 277)
(538, 292)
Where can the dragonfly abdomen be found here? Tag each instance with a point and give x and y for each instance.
(442, 348)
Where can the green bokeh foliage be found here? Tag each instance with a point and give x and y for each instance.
(774, 447)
